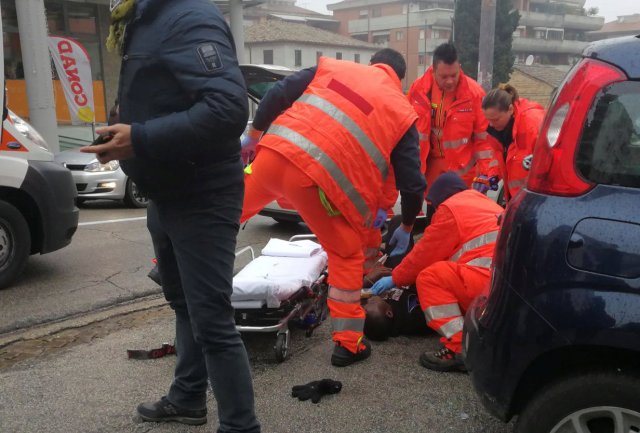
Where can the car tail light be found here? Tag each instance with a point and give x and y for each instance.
(553, 168)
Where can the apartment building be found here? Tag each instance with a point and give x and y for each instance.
(624, 25)
(552, 32)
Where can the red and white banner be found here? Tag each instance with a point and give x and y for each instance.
(74, 70)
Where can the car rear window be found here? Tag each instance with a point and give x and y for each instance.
(609, 150)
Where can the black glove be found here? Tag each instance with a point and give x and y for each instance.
(316, 389)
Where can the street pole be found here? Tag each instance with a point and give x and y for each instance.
(37, 70)
(237, 27)
(487, 35)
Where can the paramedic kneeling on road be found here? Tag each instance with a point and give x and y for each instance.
(450, 265)
(329, 154)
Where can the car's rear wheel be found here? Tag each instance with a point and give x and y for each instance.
(15, 243)
(588, 403)
(133, 197)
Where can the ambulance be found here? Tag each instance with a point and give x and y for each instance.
(37, 196)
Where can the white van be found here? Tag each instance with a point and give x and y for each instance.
(37, 209)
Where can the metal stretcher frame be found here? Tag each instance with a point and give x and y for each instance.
(313, 299)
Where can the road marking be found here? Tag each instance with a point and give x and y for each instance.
(91, 223)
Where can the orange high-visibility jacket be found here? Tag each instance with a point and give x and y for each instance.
(464, 229)
(341, 132)
(528, 117)
(464, 139)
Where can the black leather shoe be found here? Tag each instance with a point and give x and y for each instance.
(165, 411)
(442, 360)
(342, 357)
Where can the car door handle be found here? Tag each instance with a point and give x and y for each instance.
(576, 241)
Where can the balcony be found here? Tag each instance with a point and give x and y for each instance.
(579, 3)
(431, 17)
(573, 22)
(547, 46)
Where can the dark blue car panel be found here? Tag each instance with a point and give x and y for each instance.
(622, 52)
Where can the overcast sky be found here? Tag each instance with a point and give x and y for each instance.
(609, 9)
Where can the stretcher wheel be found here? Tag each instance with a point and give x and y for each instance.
(281, 349)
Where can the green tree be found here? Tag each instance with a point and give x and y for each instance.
(467, 35)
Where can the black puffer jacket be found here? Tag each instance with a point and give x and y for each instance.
(184, 95)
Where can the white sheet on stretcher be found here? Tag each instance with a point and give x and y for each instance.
(274, 279)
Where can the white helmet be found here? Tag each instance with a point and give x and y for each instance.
(114, 4)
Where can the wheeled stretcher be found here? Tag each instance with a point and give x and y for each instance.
(286, 285)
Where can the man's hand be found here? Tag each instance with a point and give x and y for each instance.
(381, 217)
(375, 274)
(400, 239)
(484, 183)
(248, 144)
(382, 285)
(117, 148)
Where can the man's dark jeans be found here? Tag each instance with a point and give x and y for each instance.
(194, 240)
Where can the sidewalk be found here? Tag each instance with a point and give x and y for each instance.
(90, 386)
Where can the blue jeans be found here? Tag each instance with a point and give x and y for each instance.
(194, 240)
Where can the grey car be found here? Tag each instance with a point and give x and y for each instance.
(96, 181)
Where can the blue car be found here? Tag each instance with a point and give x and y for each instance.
(557, 340)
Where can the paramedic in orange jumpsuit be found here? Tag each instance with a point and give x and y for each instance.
(514, 125)
(451, 124)
(342, 126)
(450, 264)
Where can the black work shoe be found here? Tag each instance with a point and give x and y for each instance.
(165, 411)
(443, 360)
(342, 357)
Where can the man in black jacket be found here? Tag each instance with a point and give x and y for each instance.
(183, 107)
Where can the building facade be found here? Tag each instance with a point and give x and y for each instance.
(625, 25)
(552, 33)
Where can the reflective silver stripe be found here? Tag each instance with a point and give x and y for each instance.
(325, 161)
(422, 136)
(494, 163)
(484, 154)
(343, 295)
(480, 135)
(340, 324)
(453, 144)
(474, 243)
(361, 137)
(467, 168)
(480, 262)
(518, 183)
(451, 328)
(442, 311)
(437, 132)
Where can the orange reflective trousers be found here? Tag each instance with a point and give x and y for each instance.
(445, 291)
(272, 177)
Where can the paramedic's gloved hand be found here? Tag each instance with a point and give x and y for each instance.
(382, 285)
(484, 183)
(400, 240)
(381, 217)
(316, 389)
(248, 144)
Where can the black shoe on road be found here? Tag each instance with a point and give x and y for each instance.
(342, 357)
(443, 360)
(165, 411)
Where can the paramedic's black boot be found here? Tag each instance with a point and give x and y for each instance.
(443, 360)
(342, 357)
(165, 411)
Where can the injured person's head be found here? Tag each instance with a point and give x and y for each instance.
(378, 322)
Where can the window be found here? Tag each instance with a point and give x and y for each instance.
(421, 58)
(338, 56)
(356, 58)
(318, 55)
(298, 57)
(421, 34)
(399, 36)
(364, 13)
(267, 57)
(376, 12)
(609, 150)
(435, 34)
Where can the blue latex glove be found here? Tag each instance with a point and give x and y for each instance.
(484, 183)
(400, 239)
(248, 144)
(381, 217)
(382, 285)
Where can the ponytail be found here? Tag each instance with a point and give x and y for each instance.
(501, 97)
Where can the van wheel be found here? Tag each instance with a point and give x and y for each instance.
(133, 197)
(589, 403)
(15, 243)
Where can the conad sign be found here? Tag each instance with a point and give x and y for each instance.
(74, 70)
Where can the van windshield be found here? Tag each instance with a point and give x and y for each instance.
(609, 149)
